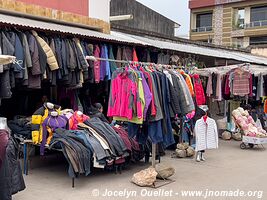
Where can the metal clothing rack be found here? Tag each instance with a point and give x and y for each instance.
(92, 58)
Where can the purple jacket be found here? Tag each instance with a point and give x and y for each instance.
(104, 65)
(51, 124)
(147, 93)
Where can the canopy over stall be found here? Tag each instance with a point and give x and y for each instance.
(254, 69)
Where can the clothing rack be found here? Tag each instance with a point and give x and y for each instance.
(92, 58)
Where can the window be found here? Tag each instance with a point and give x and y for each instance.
(240, 18)
(204, 22)
(258, 16)
(258, 40)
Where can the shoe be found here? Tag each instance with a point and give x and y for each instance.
(202, 157)
(198, 158)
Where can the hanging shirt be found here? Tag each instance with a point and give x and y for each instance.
(188, 82)
(241, 83)
(206, 134)
(200, 96)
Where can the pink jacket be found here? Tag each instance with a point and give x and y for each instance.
(123, 95)
(97, 64)
(199, 91)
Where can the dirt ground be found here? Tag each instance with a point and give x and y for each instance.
(227, 169)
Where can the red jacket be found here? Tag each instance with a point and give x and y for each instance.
(199, 91)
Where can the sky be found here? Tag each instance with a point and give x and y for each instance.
(177, 10)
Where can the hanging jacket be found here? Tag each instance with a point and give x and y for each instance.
(38, 118)
(97, 64)
(76, 119)
(199, 91)
(91, 73)
(33, 47)
(188, 82)
(104, 64)
(121, 99)
(5, 82)
(19, 54)
(51, 59)
(112, 64)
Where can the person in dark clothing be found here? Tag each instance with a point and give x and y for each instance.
(97, 111)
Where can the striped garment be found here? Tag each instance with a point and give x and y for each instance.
(206, 134)
(241, 83)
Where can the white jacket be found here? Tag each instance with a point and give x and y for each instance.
(206, 134)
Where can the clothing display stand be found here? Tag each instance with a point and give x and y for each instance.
(92, 58)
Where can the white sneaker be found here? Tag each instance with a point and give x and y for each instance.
(202, 157)
(198, 158)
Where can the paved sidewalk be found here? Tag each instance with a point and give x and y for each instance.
(228, 168)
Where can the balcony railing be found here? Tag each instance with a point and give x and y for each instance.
(202, 29)
(256, 24)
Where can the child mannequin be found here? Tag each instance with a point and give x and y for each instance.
(206, 134)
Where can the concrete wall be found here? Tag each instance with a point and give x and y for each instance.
(144, 18)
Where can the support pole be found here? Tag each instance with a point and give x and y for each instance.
(73, 182)
(153, 155)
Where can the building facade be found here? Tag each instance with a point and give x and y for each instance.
(235, 23)
(145, 20)
(91, 14)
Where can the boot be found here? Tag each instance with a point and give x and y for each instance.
(198, 158)
(202, 157)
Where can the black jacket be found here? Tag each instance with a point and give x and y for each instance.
(11, 179)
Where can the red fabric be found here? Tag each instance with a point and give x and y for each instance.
(227, 88)
(199, 91)
(205, 118)
(135, 58)
(3, 145)
(76, 119)
(150, 84)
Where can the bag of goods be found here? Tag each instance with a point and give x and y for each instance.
(222, 124)
(164, 171)
(182, 146)
(180, 153)
(237, 136)
(190, 152)
(226, 135)
(145, 177)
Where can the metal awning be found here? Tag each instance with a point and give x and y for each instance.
(197, 49)
(50, 26)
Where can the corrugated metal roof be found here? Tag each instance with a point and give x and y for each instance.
(133, 39)
(31, 23)
(197, 49)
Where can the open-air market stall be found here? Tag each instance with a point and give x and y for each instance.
(55, 76)
(238, 85)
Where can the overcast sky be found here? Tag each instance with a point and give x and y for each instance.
(177, 10)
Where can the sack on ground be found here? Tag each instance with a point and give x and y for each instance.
(226, 135)
(180, 153)
(190, 152)
(237, 136)
(164, 171)
(145, 177)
